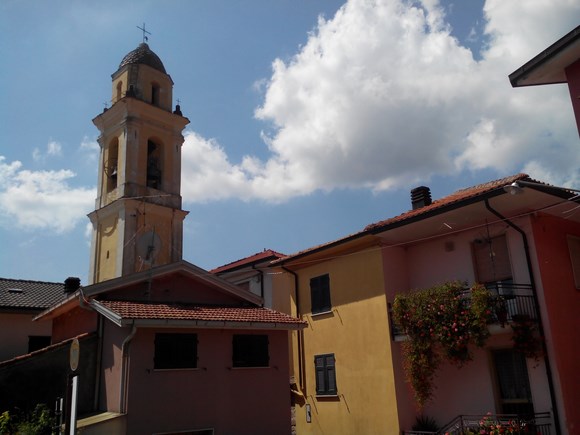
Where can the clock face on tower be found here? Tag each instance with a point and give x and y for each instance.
(148, 247)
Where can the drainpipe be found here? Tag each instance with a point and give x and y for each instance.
(537, 307)
(125, 369)
(300, 332)
(261, 272)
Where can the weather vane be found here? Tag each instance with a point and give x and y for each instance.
(145, 33)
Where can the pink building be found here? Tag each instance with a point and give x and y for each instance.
(180, 351)
(521, 239)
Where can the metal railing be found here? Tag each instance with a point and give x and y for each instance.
(538, 423)
(514, 302)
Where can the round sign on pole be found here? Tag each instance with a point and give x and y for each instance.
(74, 354)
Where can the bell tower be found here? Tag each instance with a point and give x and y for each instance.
(138, 220)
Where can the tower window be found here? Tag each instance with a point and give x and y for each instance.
(153, 165)
(155, 94)
(119, 90)
(111, 160)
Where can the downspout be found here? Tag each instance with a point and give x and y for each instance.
(125, 369)
(300, 332)
(537, 307)
(261, 272)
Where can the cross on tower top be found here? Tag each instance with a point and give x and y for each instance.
(145, 32)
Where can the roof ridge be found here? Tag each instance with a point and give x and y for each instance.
(30, 280)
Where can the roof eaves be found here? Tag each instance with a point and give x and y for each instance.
(544, 57)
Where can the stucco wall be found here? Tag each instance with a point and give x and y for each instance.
(14, 332)
(357, 333)
(215, 395)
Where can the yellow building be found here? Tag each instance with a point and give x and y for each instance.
(342, 360)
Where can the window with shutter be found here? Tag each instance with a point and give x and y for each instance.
(492, 261)
(320, 294)
(574, 249)
(250, 351)
(325, 375)
(175, 351)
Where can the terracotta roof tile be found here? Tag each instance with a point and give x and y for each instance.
(181, 311)
(458, 196)
(267, 254)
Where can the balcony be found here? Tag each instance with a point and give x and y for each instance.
(514, 302)
(539, 423)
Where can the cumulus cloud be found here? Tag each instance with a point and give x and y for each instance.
(382, 95)
(41, 199)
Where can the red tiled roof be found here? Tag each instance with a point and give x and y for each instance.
(180, 311)
(462, 195)
(456, 197)
(267, 254)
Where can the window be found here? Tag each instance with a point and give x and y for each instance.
(250, 351)
(175, 351)
(514, 396)
(492, 261)
(36, 342)
(325, 375)
(153, 165)
(574, 248)
(320, 294)
(155, 94)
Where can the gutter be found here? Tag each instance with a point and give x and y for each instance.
(537, 307)
(301, 361)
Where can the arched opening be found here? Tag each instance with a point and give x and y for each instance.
(155, 94)
(111, 164)
(119, 91)
(153, 164)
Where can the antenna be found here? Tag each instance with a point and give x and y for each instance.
(145, 33)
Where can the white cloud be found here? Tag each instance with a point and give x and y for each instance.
(382, 95)
(53, 149)
(41, 199)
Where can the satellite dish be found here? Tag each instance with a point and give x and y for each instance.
(148, 247)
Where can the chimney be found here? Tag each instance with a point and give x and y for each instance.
(71, 284)
(420, 197)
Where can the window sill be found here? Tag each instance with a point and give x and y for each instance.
(184, 369)
(327, 397)
(322, 313)
(249, 368)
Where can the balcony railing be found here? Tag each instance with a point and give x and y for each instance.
(514, 302)
(539, 423)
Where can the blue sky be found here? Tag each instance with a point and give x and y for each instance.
(309, 118)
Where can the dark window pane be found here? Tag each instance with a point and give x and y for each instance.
(175, 351)
(320, 294)
(250, 351)
(325, 375)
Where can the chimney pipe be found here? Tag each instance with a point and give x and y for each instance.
(420, 197)
(71, 284)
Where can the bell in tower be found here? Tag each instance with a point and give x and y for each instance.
(138, 220)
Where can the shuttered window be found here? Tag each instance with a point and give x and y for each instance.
(492, 261)
(250, 351)
(320, 294)
(574, 248)
(175, 351)
(325, 375)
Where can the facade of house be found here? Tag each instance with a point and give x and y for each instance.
(20, 302)
(522, 245)
(181, 351)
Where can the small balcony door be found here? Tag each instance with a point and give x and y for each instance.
(513, 385)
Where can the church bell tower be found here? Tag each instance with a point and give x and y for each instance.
(138, 220)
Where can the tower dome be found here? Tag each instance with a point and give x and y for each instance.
(145, 56)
